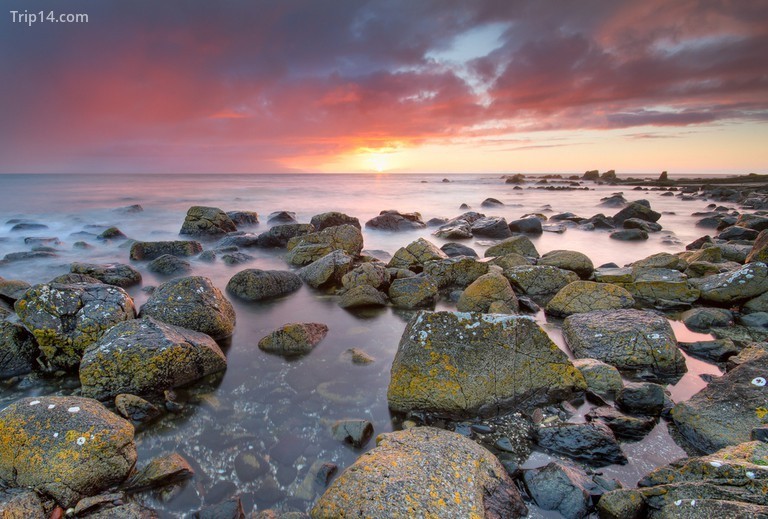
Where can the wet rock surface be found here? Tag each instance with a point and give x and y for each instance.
(592, 442)
(117, 274)
(149, 250)
(206, 221)
(580, 297)
(294, 339)
(18, 350)
(257, 285)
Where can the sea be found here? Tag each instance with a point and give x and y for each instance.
(279, 410)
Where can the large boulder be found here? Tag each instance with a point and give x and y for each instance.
(327, 271)
(66, 319)
(540, 282)
(660, 287)
(592, 442)
(206, 221)
(149, 250)
(117, 274)
(632, 340)
(332, 219)
(423, 472)
(413, 292)
(303, 250)
(491, 227)
(458, 230)
(516, 244)
(560, 487)
(146, 356)
(294, 339)
(396, 221)
(725, 412)
(243, 218)
(18, 350)
(373, 274)
(637, 210)
(529, 225)
(459, 272)
(469, 364)
(279, 235)
(416, 254)
(193, 303)
(569, 260)
(586, 296)
(256, 285)
(733, 287)
(66, 447)
(484, 291)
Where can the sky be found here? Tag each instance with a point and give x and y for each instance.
(442, 86)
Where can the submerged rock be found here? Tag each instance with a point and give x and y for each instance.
(146, 356)
(281, 217)
(257, 285)
(423, 471)
(623, 426)
(149, 250)
(67, 447)
(117, 274)
(206, 221)
(465, 364)
(633, 340)
(243, 218)
(66, 319)
(637, 210)
(356, 432)
(161, 471)
(193, 303)
(294, 339)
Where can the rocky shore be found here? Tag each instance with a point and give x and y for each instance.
(476, 382)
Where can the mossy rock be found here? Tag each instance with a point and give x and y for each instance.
(117, 274)
(484, 291)
(144, 356)
(294, 339)
(375, 275)
(303, 250)
(149, 250)
(569, 260)
(206, 221)
(759, 250)
(516, 244)
(193, 303)
(66, 447)
(602, 379)
(257, 285)
(18, 350)
(328, 271)
(456, 272)
(540, 282)
(416, 254)
(413, 292)
(736, 286)
(587, 296)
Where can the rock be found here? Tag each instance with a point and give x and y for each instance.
(569, 260)
(540, 282)
(602, 379)
(358, 356)
(243, 218)
(356, 432)
(149, 250)
(135, 408)
(656, 286)
(737, 286)
(294, 339)
(759, 250)
(231, 508)
(561, 488)
(702, 319)
(12, 289)
(491, 227)
(757, 304)
(624, 503)
(725, 412)
(303, 250)
(457, 249)
(168, 265)
(416, 255)
(206, 221)
(67, 447)
(112, 233)
(468, 364)
(644, 398)
(531, 225)
(327, 271)
(193, 303)
(279, 235)
(636, 210)
(629, 235)
(614, 275)
(17, 503)
(423, 471)
(455, 272)
(633, 340)
(516, 244)
(236, 258)
(281, 217)
(161, 471)
(757, 320)
(374, 275)
(117, 274)
(70, 278)
(737, 233)
(753, 221)
(396, 221)
(727, 483)
(717, 350)
(624, 427)
(144, 356)
(28, 226)
(237, 239)
(18, 350)
(586, 296)
(27, 255)
(257, 285)
(492, 202)
(66, 319)
(458, 230)
(592, 443)
(362, 296)
(130, 209)
(249, 466)
(332, 219)
(485, 290)
(637, 223)
(413, 292)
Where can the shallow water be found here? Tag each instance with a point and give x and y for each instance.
(280, 409)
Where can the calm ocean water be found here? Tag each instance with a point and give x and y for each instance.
(280, 410)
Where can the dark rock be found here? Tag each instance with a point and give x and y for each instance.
(112, 233)
(540, 282)
(356, 432)
(328, 271)
(236, 258)
(526, 225)
(18, 350)
(243, 218)
(396, 221)
(17, 503)
(492, 202)
(638, 210)
(13, 257)
(759, 250)
(168, 265)
(70, 278)
(615, 200)
(561, 488)
(491, 227)
(637, 223)
(135, 408)
(458, 230)
(238, 239)
(28, 226)
(737, 233)
(332, 219)
(149, 250)
(67, 447)
(143, 356)
(362, 296)
(117, 274)
(593, 443)
(717, 350)
(257, 285)
(232, 508)
(279, 217)
(206, 221)
(219, 492)
(757, 320)
(644, 398)
(702, 319)
(303, 250)
(629, 235)
(736, 286)
(413, 292)
(279, 235)
(193, 303)
(12, 289)
(249, 466)
(623, 426)
(453, 250)
(130, 209)
(294, 339)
